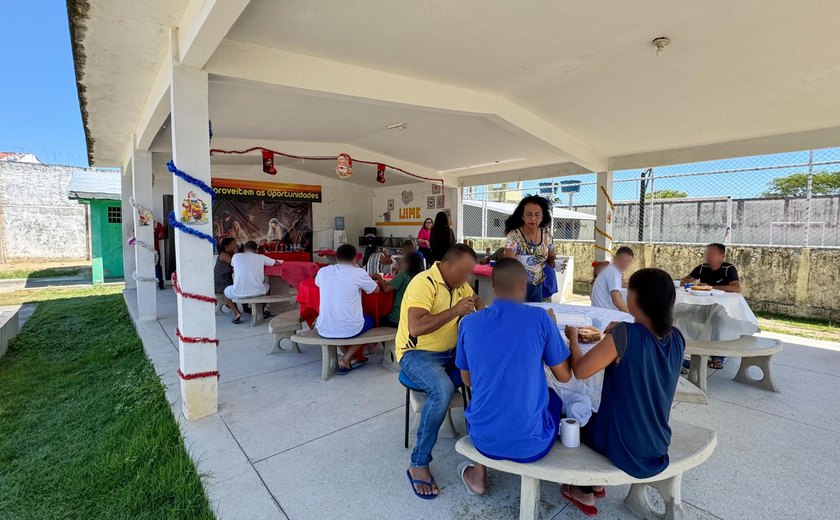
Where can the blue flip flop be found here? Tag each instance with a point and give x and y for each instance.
(430, 483)
(344, 371)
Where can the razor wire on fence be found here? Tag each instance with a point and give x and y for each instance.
(790, 199)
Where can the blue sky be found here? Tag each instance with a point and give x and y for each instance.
(40, 108)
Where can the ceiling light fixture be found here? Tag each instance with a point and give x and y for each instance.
(660, 44)
(397, 126)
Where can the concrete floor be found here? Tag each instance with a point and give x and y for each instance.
(287, 445)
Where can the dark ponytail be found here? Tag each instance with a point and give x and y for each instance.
(655, 295)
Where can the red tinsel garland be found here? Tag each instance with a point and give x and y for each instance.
(194, 339)
(192, 296)
(197, 375)
(380, 167)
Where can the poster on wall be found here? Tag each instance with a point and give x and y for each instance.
(278, 217)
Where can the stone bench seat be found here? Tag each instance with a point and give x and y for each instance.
(690, 446)
(284, 326)
(753, 351)
(258, 304)
(688, 392)
(329, 346)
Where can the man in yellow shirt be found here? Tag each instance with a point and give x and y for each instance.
(433, 304)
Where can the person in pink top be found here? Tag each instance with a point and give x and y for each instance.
(423, 238)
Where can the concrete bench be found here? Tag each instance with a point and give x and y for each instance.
(688, 392)
(258, 304)
(284, 326)
(329, 347)
(753, 351)
(8, 329)
(690, 446)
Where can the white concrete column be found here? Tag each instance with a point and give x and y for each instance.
(194, 255)
(141, 170)
(129, 263)
(459, 214)
(604, 216)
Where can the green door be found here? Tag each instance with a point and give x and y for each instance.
(106, 240)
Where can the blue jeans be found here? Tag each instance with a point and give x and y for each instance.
(428, 371)
(534, 293)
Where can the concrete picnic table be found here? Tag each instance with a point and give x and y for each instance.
(720, 316)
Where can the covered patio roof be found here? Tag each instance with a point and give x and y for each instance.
(488, 91)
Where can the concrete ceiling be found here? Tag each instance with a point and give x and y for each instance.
(734, 70)
(435, 140)
(551, 86)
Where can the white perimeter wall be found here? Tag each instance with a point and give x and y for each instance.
(420, 192)
(37, 220)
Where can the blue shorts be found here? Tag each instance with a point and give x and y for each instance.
(370, 323)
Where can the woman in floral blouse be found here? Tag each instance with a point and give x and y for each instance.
(528, 239)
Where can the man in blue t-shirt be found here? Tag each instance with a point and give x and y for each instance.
(501, 350)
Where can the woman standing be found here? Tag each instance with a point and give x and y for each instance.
(441, 237)
(528, 239)
(641, 363)
(423, 237)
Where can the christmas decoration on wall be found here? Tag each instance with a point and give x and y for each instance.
(193, 210)
(190, 179)
(189, 214)
(436, 189)
(344, 166)
(144, 215)
(407, 196)
(139, 278)
(268, 162)
(430, 203)
(380, 173)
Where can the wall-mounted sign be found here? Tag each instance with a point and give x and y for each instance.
(266, 191)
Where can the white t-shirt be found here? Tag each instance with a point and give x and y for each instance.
(609, 280)
(249, 274)
(340, 315)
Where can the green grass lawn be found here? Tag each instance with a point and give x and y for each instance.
(48, 272)
(805, 327)
(85, 429)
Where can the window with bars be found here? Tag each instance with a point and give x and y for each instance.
(114, 215)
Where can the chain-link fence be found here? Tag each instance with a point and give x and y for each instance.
(790, 199)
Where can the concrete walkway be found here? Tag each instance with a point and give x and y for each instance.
(286, 445)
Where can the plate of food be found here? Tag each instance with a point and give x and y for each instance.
(700, 290)
(589, 334)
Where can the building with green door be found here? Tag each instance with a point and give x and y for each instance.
(100, 190)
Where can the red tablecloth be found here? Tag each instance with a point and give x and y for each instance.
(483, 270)
(309, 297)
(293, 272)
(298, 256)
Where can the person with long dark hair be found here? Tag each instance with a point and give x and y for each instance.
(528, 239)
(410, 266)
(641, 363)
(441, 237)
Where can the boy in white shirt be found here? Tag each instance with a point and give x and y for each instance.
(340, 315)
(248, 277)
(606, 291)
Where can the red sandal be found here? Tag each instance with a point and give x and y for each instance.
(601, 493)
(566, 492)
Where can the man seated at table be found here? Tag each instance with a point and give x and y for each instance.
(718, 274)
(434, 302)
(512, 415)
(715, 272)
(340, 315)
(606, 290)
(249, 275)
